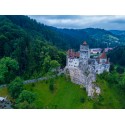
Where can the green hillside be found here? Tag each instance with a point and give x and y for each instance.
(22, 40)
(31, 50)
(117, 56)
(67, 95)
(67, 38)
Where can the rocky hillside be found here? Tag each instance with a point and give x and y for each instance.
(85, 77)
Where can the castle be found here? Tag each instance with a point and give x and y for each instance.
(98, 64)
(82, 69)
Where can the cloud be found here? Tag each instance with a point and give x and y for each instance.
(79, 21)
(118, 21)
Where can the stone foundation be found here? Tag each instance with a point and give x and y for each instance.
(85, 78)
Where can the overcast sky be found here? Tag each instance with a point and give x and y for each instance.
(80, 22)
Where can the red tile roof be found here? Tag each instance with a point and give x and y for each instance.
(103, 56)
(73, 54)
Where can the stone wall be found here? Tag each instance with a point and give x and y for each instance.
(84, 76)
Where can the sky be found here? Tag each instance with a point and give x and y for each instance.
(80, 22)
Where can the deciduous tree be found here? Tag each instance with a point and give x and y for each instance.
(15, 87)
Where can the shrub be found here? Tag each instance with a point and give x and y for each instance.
(15, 87)
(51, 87)
(26, 96)
(120, 70)
(82, 100)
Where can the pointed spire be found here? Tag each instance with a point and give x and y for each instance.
(84, 43)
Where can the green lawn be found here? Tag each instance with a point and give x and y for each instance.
(3, 92)
(65, 95)
(68, 95)
(109, 96)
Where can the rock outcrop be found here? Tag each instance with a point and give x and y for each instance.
(84, 75)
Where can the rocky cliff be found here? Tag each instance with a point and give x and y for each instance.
(84, 75)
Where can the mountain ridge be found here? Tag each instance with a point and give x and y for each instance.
(71, 38)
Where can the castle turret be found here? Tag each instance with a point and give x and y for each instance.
(84, 51)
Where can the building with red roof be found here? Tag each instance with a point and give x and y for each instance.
(75, 59)
(103, 58)
(103, 55)
(72, 54)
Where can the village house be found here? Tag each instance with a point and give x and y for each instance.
(95, 51)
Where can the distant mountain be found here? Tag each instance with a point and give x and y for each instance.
(103, 37)
(69, 38)
(94, 37)
(120, 34)
(117, 32)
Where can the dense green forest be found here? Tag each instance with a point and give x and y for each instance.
(25, 52)
(29, 50)
(21, 40)
(117, 56)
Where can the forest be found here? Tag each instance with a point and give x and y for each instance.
(29, 49)
(21, 40)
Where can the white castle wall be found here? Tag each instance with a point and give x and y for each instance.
(100, 68)
(73, 62)
(103, 60)
(84, 56)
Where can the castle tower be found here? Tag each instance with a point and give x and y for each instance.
(84, 51)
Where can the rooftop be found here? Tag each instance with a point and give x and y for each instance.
(84, 43)
(103, 56)
(73, 54)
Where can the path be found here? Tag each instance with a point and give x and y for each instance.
(37, 80)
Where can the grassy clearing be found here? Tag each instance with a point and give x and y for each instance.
(3, 92)
(109, 96)
(67, 95)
